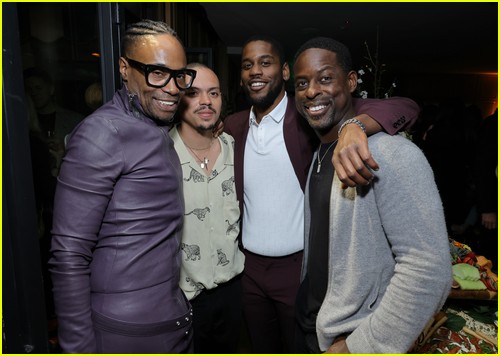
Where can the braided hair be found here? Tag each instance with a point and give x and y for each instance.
(145, 28)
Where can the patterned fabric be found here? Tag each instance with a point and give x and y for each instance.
(446, 341)
(210, 253)
(485, 331)
(461, 253)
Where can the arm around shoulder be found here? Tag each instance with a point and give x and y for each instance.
(351, 158)
(392, 114)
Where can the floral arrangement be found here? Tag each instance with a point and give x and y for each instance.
(370, 75)
(371, 80)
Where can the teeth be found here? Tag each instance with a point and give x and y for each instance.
(257, 85)
(164, 102)
(317, 108)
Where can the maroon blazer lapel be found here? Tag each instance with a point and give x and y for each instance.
(300, 141)
(237, 125)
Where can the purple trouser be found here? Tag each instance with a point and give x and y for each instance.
(113, 336)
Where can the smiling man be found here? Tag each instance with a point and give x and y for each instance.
(119, 209)
(273, 151)
(212, 260)
(377, 261)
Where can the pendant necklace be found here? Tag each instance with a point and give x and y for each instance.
(204, 161)
(324, 154)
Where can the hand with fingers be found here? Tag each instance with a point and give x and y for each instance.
(352, 159)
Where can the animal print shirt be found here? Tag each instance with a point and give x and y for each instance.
(210, 253)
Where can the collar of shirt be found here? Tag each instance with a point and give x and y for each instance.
(277, 114)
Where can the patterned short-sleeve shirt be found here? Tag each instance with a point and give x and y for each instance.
(210, 253)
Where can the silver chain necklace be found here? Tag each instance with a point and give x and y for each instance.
(321, 160)
(204, 162)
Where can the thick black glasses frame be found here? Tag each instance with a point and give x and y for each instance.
(149, 68)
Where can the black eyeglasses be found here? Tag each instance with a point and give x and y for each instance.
(158, 76)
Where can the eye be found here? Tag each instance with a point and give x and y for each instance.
(191, 93)
(214, 94)
(265, 63)
(246, 66)
(158, 74)
(300, 84)
(325, 79)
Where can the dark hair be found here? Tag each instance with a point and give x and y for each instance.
(342, 52)
(276, 46)
(38, 73)
(145, 28)
(194, 65)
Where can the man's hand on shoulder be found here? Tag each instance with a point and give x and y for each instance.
(352, 159)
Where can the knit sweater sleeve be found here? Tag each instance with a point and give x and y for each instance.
(412, 217)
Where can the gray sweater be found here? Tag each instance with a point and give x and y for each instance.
(389, 258)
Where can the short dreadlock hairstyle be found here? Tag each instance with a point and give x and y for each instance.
(145, 28)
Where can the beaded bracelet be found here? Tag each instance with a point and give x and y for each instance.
(352, 121)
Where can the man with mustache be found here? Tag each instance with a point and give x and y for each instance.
(211, 259)
(376, 259)
(273, 151)
(119, 209)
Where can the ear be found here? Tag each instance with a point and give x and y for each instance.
(352, 81)
(123, 65)
(285, 70)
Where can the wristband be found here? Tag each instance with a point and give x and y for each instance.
(352, 121)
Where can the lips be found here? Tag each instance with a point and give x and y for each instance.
(256, 85)
(167, 105)
(166, 102)
(206, 113)
(316, 109)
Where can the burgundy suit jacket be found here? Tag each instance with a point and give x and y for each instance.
(300, 141)
(392, 114)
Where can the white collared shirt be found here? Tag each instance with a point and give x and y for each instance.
(273, 218)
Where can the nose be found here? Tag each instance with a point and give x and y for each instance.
(170, 87)
(256, 69)
(205, 99)
(312, 90)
